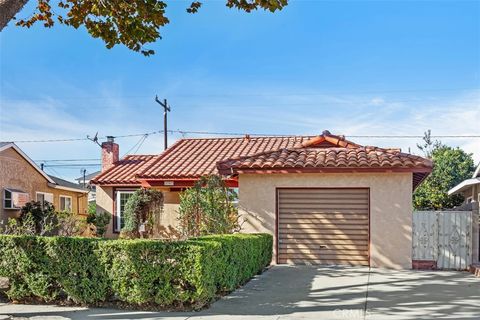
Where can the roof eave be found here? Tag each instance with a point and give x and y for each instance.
(229, 171)
(56, 186)
(27, 158)
(463, 185)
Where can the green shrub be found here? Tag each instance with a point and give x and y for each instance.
(144, 207)
(51, 267)
(208, 208)
(137, 272)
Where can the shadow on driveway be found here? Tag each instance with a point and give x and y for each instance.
(307, 292)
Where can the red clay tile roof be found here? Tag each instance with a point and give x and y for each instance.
(193, 158)
(125, 170)
(320, 158)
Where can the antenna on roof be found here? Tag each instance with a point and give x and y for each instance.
(94, 139)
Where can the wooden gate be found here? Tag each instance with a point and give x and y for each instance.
(444, 237)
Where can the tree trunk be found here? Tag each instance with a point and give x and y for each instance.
(8, 10)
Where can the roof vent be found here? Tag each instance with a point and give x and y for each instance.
(247, 137)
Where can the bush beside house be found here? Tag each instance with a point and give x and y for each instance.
(141, 273)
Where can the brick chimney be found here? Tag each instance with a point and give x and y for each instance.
(110, 152)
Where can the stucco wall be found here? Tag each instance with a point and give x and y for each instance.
(17, 173)
(390, 208)
(169, 220)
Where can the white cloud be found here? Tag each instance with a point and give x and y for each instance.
(343, 114)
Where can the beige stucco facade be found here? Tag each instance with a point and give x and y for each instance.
(18, 173)
(169, 221)
(390, 208)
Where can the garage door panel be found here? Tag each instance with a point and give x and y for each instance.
(328, 242)
(321, 206)
(320, 201)
(304, 213)
(329, 246)
(326, 215)
(333, 221)
(314, 256)
(325, 252)
(314, 196)
(322, 236)
(323, 261)
(323, 226)
(322, 231)
(315, 191)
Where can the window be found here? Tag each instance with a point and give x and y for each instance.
(44, 196)
(469, 199)
(7, 199)
(66, 203)
(122, 198)
(14, 199)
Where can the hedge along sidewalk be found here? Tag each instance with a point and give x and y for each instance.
(137, 273)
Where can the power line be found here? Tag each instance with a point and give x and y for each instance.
(61, 160)
(84, 139)
(72, 165)
(184, 132)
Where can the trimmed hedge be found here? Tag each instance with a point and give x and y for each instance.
(154, 273)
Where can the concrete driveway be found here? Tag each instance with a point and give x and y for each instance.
(287, 292)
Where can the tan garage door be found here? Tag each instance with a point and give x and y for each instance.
(323, 226)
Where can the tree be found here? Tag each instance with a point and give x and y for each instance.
(99, 219)
(143, 208)
(43, 215)
(451, 166)
(132, 23)
(208, 208)
(428, 145)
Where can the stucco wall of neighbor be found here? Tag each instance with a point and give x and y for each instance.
(168, 221)
(17, 173)
(390, 208)
(104, 203)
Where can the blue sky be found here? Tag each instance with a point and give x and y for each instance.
(353, 67)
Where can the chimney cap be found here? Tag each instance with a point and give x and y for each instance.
(110, 139)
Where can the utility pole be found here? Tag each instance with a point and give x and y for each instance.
(166, 109)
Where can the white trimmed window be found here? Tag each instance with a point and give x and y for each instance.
(66, 203)
(44, 196)
(14, 199)
(121, 199)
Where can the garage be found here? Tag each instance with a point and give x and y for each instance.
(323, 226)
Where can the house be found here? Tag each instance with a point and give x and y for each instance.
(469, 188)
(21, 180)
(325, 199)
(84, 182)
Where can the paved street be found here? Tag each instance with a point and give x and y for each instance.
(285, 293)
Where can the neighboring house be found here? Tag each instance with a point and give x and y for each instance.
(84, 182)
(325, 199)
(469, 188)
(21, 180)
